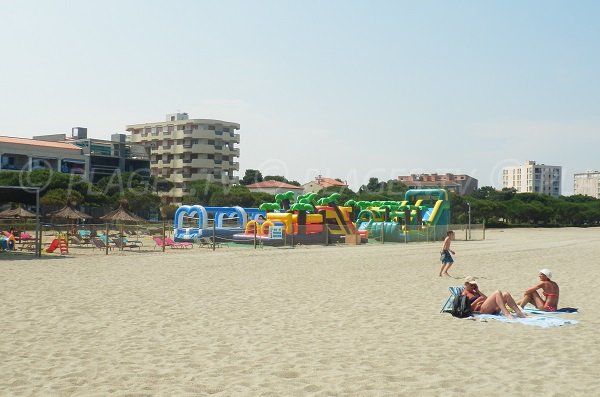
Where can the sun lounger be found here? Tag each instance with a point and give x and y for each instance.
(170, 243)
(207, 242)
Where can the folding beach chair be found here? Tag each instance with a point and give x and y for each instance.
(454, 292)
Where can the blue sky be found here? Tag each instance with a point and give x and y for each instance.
(346, 89)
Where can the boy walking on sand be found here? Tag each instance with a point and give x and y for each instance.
(445, 257)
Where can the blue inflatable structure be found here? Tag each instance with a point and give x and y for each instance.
(218, 215)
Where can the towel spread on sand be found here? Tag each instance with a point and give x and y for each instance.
(564, 310)
(536, 321)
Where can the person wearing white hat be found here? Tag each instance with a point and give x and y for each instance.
(493, 304)
(550, 290)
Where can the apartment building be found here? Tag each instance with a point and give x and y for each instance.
(183, 150)
(533, 178)
(460, 184)
(587, 183)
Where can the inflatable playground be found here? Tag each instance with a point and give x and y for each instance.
(424, 214)
(191, 222)
(421, 216)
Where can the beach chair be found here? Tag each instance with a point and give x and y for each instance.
(207, 242)
(26, 237)
(101, 244)
(170, 243)
(454, 292)
(120, 244)
(75, 241)
(158, 242)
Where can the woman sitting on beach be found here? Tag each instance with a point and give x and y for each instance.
(550, 291)
(493, 304)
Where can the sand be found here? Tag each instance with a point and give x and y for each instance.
(310, 321)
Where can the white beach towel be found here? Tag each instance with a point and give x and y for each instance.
(536, 321)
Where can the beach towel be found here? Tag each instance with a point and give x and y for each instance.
(536, 321)
(564, 310)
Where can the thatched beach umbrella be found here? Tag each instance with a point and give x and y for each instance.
(69, 213)
(121, 215)
(17, 213)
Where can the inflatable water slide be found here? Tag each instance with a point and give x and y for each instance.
(423, 215)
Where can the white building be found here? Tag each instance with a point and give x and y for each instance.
(533, 178)
(587, 183)
(184, 150)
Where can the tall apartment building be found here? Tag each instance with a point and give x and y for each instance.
(183, 150)
(587, 183)
(533, 178)
(460, 184)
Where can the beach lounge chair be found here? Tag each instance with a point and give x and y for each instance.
(101, 244)
(454, 292)
(124, 244)
(26, 236)
(170, 243)
(158, 242)
(207, 242)
(76, 241)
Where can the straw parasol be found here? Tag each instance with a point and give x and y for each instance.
(69, 213)
(16, 214)
(121, 215)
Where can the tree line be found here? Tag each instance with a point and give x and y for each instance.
(495, 208)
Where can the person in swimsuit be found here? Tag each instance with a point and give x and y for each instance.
(493, 304)
(550, 291)
(445, 256)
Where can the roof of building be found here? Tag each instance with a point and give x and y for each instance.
(328, 182)
(273, 185)
(35, 142)
(431, 183)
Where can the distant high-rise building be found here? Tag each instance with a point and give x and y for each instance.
(587, 183)
(183, 150)
(461, 184)
(533, 178)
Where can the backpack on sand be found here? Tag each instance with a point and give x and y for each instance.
(461, 307)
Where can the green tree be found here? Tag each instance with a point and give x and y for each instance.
(251, 176)
(61, 197)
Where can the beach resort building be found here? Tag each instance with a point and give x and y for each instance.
(25, 154)
(587, 183)
(102, 157)
(182, 150)
(92, 159)
(275, 187)
(321, 183)
(460, 184)
(533, 178)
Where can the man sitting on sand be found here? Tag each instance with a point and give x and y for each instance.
(493, 304)
(550, 291)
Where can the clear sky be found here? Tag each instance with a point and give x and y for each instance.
(346, 89)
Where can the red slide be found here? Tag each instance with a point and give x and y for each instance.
(53, 246)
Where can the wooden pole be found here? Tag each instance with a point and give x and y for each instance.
(164, 236)
(214, 241)
(106, 239)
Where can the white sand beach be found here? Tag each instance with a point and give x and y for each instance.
(311, 321)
